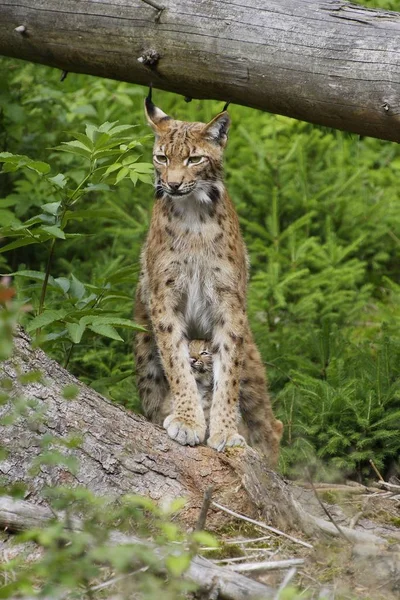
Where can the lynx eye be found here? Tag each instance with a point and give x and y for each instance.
(204, 353)
(161, 158)
(195, 160)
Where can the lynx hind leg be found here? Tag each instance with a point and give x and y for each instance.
(152, 385)
(151, 382)
(259, 426)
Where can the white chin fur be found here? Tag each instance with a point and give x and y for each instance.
(200, 193)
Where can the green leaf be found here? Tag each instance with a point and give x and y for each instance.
(30, 222)
(117, 322)
(76, 331)
(146, 178)
(77, 289)
(121, 128)
(90, 131)
(107, 331)
(63, 283)
(36, 275)
(176, 505)
(97, 187)
(7, 217)
(112, 168)
(46, 318)
(51, 207)
(25, 241)
(133, 177)
(59, 180)
(7, 156)
(54, 231)
(74, 147)
(142, 168)
(99, 384)
(121, 174)
(38, 166)
(177, 563)
(30, 377)
(18, 161)
(130, 160)
(205, 539)
(84, 139)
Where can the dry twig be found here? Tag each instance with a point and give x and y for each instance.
(262, 525)
(326, 511)
(201, 521)
(268, 565)
(248, 540)
(221, 561)
(375, 468)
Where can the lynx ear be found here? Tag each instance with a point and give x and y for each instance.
(156, 118)
(217, 129)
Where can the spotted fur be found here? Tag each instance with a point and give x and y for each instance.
(255, 423)
(201, 364)
(193, 285)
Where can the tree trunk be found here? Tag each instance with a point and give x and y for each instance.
(120, 452)
(322, 61)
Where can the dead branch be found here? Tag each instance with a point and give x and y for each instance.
(323, 61)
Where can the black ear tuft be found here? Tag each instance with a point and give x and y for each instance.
(150, 108)
(154, 115)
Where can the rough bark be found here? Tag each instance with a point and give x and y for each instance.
(120, 452)
(323, 61)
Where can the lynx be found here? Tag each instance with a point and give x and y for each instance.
(193, 285)
(201, 362)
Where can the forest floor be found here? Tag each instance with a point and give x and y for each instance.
(334, 569)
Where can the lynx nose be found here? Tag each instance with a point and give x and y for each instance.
(192, 360)
(174, 185)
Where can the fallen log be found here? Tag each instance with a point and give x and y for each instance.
(323, 61)
(120, 452)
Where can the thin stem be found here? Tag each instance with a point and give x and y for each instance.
(68, 357)
(82, 183)
(46, 277)
(273, 365)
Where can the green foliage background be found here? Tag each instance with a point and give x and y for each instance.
(320, 214)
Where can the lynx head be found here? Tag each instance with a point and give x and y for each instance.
(201, 361)
(187, 156)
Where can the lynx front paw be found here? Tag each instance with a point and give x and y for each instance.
(185, 432)
(222, 440)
